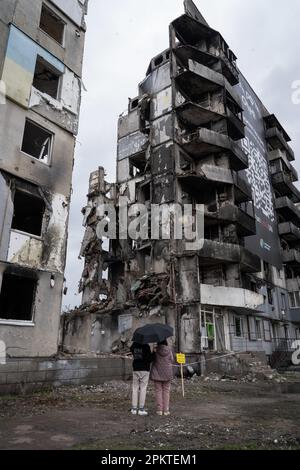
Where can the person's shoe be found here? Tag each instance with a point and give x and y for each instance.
(142, 412)
(159, 413)
(134, 411)
(167, 413)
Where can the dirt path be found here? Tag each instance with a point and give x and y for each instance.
(212, 416)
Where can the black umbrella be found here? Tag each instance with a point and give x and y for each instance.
(155, 333)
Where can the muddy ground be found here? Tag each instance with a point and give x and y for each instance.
(213, 415)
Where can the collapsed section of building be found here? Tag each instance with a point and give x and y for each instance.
(196, 134)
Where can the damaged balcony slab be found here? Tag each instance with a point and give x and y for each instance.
(240, 300)
(245, 223)
(212, 253)
(197, 115)
(197, 79)
(217, 176)
(289, 232)
(292, 258)
(276, 156)
(220, 64)
(285, 187)
(287, 209)
(277, 141)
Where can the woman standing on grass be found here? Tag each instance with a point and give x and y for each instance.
(162, 375)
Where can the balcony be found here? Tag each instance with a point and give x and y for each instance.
(271, 121)
(243, 190)
(213, 176)
(279, 159)
(293, 285)
(287, 209)
(237, 299)
(190, 32)
(195, 80)
(220, 64)
(292, 259)
(295, 315)
(289, 232)
(284, 186)
(205, 141)
(214, 253)
(197, 115)
(245, 223)
(277, 141)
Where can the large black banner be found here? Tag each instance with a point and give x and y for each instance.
(266, 241)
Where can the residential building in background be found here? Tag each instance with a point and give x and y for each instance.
(196, 133)
(41, 54)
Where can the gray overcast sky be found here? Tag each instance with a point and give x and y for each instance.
(122, 37)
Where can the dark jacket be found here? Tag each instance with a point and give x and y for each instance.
(162, 368)
(142, 357)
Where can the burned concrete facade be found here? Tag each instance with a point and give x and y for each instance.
(41, 53)
(196, 134)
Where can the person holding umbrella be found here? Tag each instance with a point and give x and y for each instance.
(152, 333)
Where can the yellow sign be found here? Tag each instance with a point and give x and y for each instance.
(180, 358)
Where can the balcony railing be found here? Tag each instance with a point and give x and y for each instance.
(275, 137)
(283, 183)
(205, 141)
(190, 32)
(288, 210)
(245, 223)
(214, 252)
(289, 232)
(281, 156)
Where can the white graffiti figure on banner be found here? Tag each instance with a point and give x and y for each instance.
(258, 177)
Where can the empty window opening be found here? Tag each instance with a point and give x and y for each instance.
(36, 142)
(258, 328)
(28, 213)
(145, 192)
(238, 327)
(270, 296)
(17, 297)
(134, 104)
(51, 24)
(159, 60)
(46, 78)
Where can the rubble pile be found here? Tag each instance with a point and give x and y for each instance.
(152, 291)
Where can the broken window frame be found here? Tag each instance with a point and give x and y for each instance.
(60, 20)
(207, 341)
(52, 135)
(29, 234)
(267, 331)
(21, 322)
(53, 70)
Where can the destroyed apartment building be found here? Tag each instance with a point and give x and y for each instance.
(196, 134)
(41, 53)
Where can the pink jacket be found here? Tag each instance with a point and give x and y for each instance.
(162, 367)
